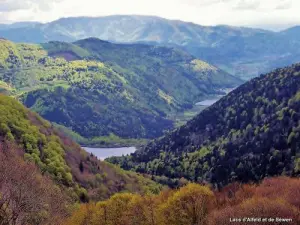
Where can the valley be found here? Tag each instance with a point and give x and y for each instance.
(183, 117)
(249, 134)
(180, 119)
(141, 120)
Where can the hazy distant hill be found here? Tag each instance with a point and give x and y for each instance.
(250, 134)
(18, 25)
(242, 51)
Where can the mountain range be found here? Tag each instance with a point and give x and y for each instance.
(244, 52)
(100, 89)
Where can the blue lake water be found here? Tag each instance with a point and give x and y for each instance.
(208, 102)
(103, 153)
(211, 101)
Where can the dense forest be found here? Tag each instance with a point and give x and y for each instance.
(274, 201)
(100, 89)
(44, 174)
(250, 134)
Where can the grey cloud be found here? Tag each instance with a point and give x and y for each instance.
(8, 5)
(3, 18)
(247, 5)
(13, 5)
(244, 4)
(211, 2)
(284, 4)
(205, 2)
(234, 4)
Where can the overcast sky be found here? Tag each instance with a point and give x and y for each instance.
(272, 14)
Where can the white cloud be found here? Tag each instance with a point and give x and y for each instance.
(248, 5)
(285, 4)
(13, 5)
(259, 13)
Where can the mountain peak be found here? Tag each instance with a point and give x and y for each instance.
(93, 39)
(292, 31)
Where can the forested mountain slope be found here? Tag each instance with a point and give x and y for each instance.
(250, 134)
(78, 173)
(97, 88)
(241, 51)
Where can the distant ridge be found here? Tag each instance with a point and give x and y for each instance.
(241, 51)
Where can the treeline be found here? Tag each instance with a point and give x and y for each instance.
(195, 204)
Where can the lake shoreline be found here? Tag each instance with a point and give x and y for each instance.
(104, 153)
(137, 144)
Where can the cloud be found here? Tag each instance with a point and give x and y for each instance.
(14, 5)
(7, 5)
(248, 5)
(265, 5)
(236, 5)
(284, 4)
(205, 2)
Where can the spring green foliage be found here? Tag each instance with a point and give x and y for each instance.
(96, 88)
(81, 175)
(9, 55)
(251, 133)
(16, 127)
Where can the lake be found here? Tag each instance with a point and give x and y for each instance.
(211, 101)
(208, 102)
(103, 153)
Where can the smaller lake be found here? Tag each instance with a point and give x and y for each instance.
(208, 102)
(103, 153)
(213, 100)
